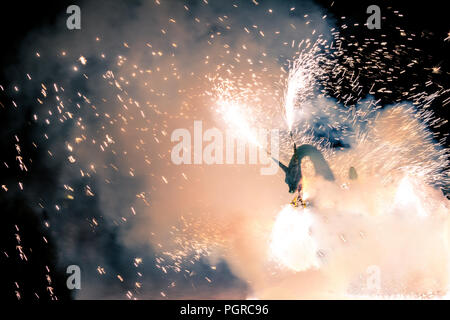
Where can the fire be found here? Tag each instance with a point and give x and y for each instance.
(291, 243)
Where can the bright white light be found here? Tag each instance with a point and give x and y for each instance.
(406, 195)
(291, 244)
(236, 120)
(300, 84)
(295, 83)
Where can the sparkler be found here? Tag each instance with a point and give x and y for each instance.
(237, 121)
(296, 82)
(300, 82)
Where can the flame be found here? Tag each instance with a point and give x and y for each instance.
(292, 244)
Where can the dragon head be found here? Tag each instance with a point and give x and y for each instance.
(293, 172)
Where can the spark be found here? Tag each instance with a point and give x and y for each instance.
(235, 118)
(300, 82)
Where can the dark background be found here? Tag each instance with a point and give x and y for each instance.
(428, 20)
